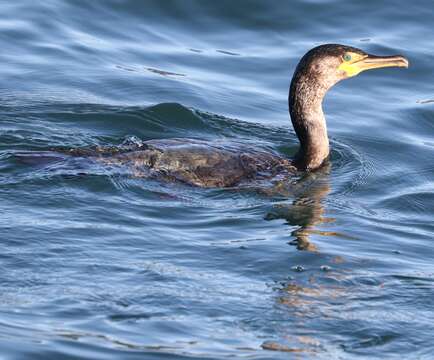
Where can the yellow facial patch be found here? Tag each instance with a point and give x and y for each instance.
(348, 64)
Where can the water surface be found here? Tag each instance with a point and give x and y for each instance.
(98, 264)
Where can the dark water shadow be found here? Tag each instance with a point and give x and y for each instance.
(307, 210)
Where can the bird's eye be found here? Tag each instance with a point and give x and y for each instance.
(347, 57)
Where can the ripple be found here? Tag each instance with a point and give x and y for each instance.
(351, 168)
(164, 73)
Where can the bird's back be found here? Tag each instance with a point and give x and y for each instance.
(200, 163)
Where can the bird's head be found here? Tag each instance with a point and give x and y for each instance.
(318, 70)
(330, 63)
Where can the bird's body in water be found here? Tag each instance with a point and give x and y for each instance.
(218, 164)
(195, 162)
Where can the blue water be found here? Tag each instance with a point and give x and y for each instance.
(99, 264)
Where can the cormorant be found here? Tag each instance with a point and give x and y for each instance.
(216, 164)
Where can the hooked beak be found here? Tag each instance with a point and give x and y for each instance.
(374, 62)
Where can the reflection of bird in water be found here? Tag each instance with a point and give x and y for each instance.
(307, 210)
(217, 164)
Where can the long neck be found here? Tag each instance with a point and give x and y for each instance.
(305, 108)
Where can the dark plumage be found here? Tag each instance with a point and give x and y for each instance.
(200, 163)
(221, 165)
